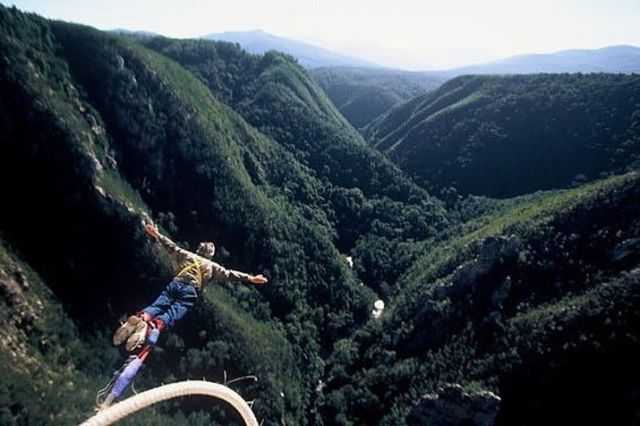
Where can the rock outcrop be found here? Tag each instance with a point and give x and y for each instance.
(19, 307)
(452, 405)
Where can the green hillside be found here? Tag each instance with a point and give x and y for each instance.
(506, 136)
(276, 95)
(362, 94)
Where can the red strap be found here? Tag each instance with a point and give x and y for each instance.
(144, 353)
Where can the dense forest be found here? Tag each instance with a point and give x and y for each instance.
(531, 298)
(511, 135)
(362, 94)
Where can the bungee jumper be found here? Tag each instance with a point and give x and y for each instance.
(140, 332)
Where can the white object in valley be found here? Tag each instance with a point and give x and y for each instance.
(349, 261)
(378, 308)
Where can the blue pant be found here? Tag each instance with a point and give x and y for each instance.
(173, 303)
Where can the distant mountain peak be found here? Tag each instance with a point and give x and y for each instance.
(258, 41)
(613, 59)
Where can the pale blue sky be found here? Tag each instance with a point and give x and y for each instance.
(418, 34)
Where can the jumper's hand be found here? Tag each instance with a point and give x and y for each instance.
(100, 407)
(152, 230)
(258, 279)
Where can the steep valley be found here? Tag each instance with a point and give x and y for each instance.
(531, 295)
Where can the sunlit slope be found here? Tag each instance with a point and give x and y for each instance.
(279, 97)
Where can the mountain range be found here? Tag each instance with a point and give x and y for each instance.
(616, 59)
(611, 59)
(362, 90)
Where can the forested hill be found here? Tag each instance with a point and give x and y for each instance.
(362, 94)
(276, 95)
(505, 136)
(537, 300)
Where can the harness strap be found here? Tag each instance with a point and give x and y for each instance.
(195, 265)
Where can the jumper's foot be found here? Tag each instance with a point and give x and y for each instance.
(138, 337)
(127, 329)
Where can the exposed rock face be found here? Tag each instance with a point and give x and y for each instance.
(118, 62)
(627, 250)
(493, 251)
(13, 286)
(19, 309)
(453, 406)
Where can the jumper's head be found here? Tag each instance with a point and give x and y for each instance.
(206, 249)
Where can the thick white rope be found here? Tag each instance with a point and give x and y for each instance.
(190, 387)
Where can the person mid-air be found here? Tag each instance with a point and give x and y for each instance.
(140, 331)
(195, 270)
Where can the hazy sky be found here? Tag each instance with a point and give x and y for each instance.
(419, 34)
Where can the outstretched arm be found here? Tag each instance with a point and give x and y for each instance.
(173, 249)
(223, 273)
(219, 271)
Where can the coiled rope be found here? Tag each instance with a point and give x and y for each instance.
(190, 387)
